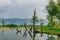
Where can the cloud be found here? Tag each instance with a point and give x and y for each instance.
(5, 2)
(22, 8)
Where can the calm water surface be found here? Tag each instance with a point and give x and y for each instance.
(11, 35)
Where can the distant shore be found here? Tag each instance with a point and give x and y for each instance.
(5, 29)
(9, 29)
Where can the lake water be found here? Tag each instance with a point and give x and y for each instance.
(11, 35)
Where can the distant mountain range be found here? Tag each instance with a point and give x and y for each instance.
(19, 21)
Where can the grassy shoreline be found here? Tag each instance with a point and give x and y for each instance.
(44, 29)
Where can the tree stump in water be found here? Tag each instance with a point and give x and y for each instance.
(18, 31)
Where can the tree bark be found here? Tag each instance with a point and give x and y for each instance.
(34, 24)
(41, 29)
(51, 20)
(51, 26)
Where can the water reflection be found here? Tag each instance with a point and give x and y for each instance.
(11, 35)
(53, 37)
(2, 36)
(58, 37)
(29, 32)
(18, 31)
(25, 34)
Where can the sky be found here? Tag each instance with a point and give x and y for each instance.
(23, 8)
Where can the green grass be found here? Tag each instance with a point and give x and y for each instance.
(46, 29)
(51, 38)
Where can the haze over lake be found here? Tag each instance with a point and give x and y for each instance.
(19, 21)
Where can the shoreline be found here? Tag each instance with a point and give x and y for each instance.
(3, 29)
(9, 29)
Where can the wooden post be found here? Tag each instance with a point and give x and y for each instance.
(3, 23)
(34, 24)
(41, 28)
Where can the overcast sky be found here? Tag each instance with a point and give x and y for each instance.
(22, 8)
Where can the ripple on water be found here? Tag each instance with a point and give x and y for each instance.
(11, 35)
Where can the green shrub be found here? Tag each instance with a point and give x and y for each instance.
(11, 25)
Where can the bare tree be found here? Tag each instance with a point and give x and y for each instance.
(3, 23)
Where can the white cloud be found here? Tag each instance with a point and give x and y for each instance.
(5, 15)
(23, 8)
(5, 2)
(41, 15)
